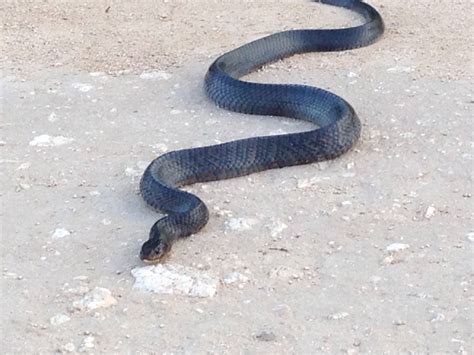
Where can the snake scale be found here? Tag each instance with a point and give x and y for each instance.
(337, 126)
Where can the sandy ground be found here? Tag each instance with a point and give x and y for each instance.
(368, 253)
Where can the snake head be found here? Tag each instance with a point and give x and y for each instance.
(154, 249)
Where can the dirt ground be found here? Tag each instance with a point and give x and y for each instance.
(369, 253)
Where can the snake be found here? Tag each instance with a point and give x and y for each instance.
(336, 125)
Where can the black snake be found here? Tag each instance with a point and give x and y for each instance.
(338, 126)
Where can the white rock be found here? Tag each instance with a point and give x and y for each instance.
(59, 319)
(162, 148)
(470, 236)
(82, 87)
(240, 224)
(69, 347)
(234, 277)
(174, 279)
(430, 211)
(396, 247)
(52, 117)
(276, 228)
(156, 74)
(87, 343)
(97, 73)
(339, 315)
(400, 69)
(60, 233)
(45, 140)
(24, 166)
(307, 183)
(99, 297)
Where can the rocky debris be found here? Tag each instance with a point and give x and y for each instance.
(68, 348)
(174, 279)
(82, 87)
(60, 233)
(240, 224)
(265, 336)
(276, 227)
(155, 75)
(45, 140)
(137, 170)
(59, 319)
(470, 236)
(392, 248)
(234, 277)
(87, 344)
(394, 256)
(337, 316)
(430, 212)
(99, 297)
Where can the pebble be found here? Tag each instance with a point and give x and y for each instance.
(430, 211)
(276, 228)
(339, 315)
(155, 74)
(470, 236)
(265, 336)
(234, 277)
(69, 347)
(240, 224)
(59, 319)
(82, 87)
(52, 117)
(99, 297)
(392, 248)
(60, 233)
(174, 279)
(307, 183)
(87, 344)
(24, 166)
(45, 140)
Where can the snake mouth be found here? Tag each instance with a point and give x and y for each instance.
(153, 255)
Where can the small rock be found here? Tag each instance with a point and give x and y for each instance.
(60, 233)
(265, 336)
(52, 117)
(240, 224)
(470, 236)
(430, 211)
(45, 140)
(392, 248)
(82, 87)
(339, 315)
(307, 183)
(69, 347)
(438, 317)
(97, 298)
(59, 319)
(87, 344)
(156, 74)
(234, 277)
(174, 279)
(24, 166)
(276, 228)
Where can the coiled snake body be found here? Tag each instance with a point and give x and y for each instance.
(338, 126)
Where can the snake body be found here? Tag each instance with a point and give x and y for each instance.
(337, 125)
